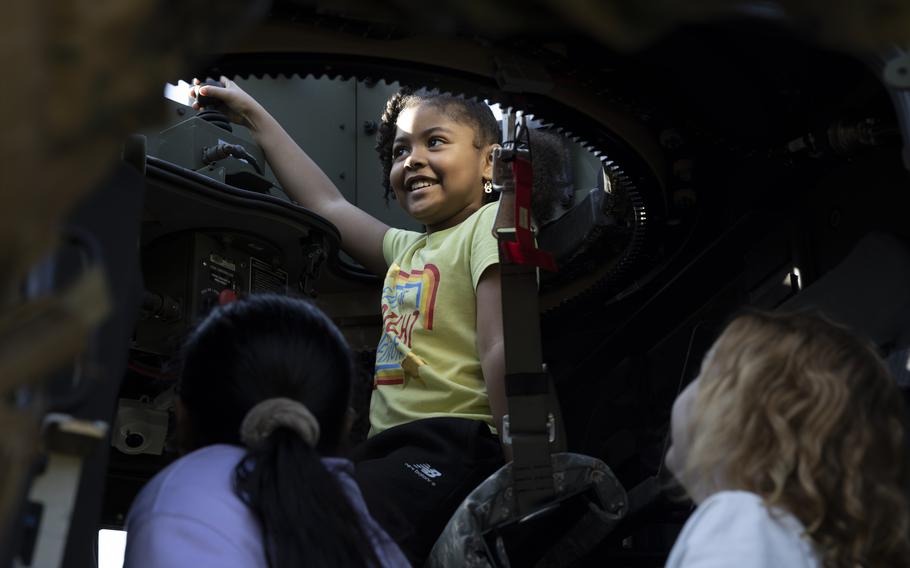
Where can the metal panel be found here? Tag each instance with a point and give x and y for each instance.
(319, 116)
(586, 168)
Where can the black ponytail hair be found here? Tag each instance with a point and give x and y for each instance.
(477, 113)
(268, 346)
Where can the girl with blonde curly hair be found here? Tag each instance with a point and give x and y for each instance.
(791, 442)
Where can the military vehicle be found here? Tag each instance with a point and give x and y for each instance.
(697, 163)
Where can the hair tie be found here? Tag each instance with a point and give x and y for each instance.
(273, 413)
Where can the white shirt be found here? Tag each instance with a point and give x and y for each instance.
(735, 528)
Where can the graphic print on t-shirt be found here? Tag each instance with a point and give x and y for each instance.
(408, 301)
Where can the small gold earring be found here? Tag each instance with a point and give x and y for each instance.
(487, 186)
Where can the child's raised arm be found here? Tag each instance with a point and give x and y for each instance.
(301, 178)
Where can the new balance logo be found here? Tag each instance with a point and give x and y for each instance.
(424, 471)
(428, 471)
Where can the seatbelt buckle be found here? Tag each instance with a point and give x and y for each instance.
(507, 433)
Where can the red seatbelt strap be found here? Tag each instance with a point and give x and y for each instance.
(523, 249)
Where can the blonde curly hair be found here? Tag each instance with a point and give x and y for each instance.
(799, 411)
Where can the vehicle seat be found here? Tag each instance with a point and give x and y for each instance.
(486, 530)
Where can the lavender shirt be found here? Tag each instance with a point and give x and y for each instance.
(189, 515)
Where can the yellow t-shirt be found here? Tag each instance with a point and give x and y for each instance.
(427, 363)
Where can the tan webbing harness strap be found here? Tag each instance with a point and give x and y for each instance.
(532, 429)
(520, 325)
(531, 425)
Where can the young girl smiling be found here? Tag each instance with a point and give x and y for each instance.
(438, 383)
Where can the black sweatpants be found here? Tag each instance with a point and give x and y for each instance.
(414, 476)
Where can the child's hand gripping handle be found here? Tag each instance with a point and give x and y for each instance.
(226, 97)
(207, 100)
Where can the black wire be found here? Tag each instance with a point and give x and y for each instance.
(527, 133)
(243, 154)
(682, 377)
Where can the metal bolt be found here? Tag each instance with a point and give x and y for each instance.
(671, 139)
(682, 169)
(684, 197)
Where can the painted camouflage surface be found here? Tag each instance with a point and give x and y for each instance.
(492, 503)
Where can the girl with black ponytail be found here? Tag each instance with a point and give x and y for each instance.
(262, 409)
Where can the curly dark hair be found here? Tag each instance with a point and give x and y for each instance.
(475, 112)
(554, 188)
